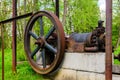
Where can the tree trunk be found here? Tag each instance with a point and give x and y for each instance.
(19, 24)
(35, 5)
(64, 12)
(25, 18)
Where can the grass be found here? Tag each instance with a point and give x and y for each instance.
(24, 71)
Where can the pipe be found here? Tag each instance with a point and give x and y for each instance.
(108, 62)
(57, 8)
(16, 18)
(91, 49)
(14, 8)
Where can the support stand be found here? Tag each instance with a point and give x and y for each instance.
(2, 36)
(14, 63)
(108, 72)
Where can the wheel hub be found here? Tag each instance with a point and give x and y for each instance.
(40, 41)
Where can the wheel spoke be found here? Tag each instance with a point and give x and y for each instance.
(33, 35)
(49, 33)
(43, 58)
(49, 47)
(35, 51)
(41, 26)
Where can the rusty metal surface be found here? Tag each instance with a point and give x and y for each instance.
(73, 46)
(2, 36)
(92, 41)
(14, 55)
(80, 37)
(108, 62)
(16, 18)
(57, 50)
(91, 49)
(95, 38)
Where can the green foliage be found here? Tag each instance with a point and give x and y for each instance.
(4, 14)
(115, 29)
(0, 42)
(82, 16)
(115, 33)
(117, 51)
(24, 71)
(21, 52)
(116, 22)
(116, 61)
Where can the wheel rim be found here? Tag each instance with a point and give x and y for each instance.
(44, 35)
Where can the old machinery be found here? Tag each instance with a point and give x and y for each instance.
(93, 41)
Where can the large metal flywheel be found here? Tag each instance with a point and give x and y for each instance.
(44, 42)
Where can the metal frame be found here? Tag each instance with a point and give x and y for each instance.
(14, 36)
(2, 35)
(15, 17)
(108, 62)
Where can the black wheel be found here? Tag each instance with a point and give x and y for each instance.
(44, 42)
